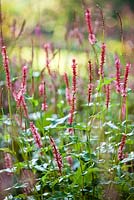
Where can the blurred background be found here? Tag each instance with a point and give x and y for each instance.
(27, 23)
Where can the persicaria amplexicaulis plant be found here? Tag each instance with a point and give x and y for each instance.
(85, 140)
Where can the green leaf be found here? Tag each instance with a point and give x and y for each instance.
(108, 80)
(33, 101)
(111, 125)
(93, 170)
(131, 190)
(129, 158)
(56, 122)
(85, 156)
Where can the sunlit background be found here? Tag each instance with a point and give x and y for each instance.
(28, 23)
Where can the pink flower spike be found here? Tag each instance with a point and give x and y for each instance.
(88, 21)
(24, 77)
(41, 88)
(124, 92)
(70, 160)
(90, 88)
(68, 96)
(74, 76)
(91, 36)
(118, 66)
(36, 135)
(102, 60)
(56, 154)
(121, 147)
(90, 71)
(92, 39)
(44, 106)
(73, 100)
(24, 106)
(6, 67)
(66, 80)
(46, 48)
(107, 95)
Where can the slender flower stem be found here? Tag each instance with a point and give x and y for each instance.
(96, 55)
(9, 104)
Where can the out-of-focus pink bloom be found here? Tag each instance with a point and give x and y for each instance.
(20, 100)
(8, 162)
(70, 160)
(13, 28)
(92, 39)
(19, 96)
(42, 92)
(66, 80)
(37, 30)
(68, 95)
(75, 33)
(47, 46)
(41, 89)
(91, 36)
(44, 107)
(28, 179)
